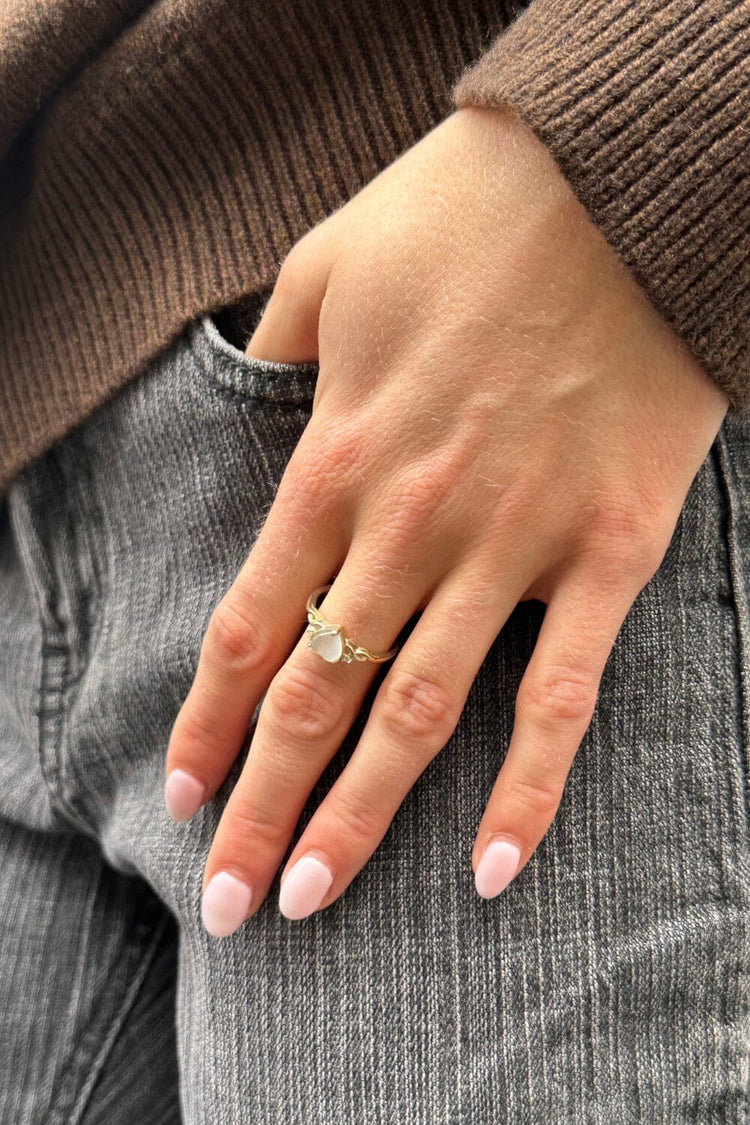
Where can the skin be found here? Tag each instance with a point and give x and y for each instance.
(500, 415)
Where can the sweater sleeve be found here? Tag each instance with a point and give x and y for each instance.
(645, 106)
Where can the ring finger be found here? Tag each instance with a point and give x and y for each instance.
(307, 711)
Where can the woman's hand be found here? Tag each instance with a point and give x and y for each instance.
(500, 415)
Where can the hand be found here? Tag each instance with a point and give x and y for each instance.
(500, 415)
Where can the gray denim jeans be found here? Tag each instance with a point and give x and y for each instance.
(610, 982)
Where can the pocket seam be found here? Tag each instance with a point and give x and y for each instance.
(243, 377)
(740, 595)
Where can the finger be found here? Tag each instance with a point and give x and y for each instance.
(288, 329)
(554, 706)
(413, 716)
(308, 709)
(250, 633)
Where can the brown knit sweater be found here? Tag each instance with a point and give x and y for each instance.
(158, 160)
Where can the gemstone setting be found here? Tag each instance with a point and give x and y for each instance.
(328, 642)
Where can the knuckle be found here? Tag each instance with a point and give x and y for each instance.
(255, 823)
(414, 706)
(195, 728)
(421, 493)
(612, 530)
(303, 702)
(329, 455)
(619, 565)
(357, 819)
(630, 535)
(559, 695)
(233, 638)
(541, 800)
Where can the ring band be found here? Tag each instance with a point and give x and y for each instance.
(331, 642)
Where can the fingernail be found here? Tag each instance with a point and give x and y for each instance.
(496, 868)
(183, 794)
(226, 901)
(304, 888)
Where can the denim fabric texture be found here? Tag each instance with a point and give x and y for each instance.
(610, 982)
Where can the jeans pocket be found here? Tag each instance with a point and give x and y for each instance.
(733, 463)
(247, 377)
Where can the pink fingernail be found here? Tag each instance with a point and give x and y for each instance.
(226, 901)
(496, 868)
(183, 794)
(304, 887)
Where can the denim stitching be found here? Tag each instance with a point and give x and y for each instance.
(60, 694)
(84, 510)
(739, 596)
(56, 669)
(297, 380)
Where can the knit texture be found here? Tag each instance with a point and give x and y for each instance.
(645, 107)
(159, 161)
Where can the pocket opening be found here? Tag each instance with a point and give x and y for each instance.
(232, 370)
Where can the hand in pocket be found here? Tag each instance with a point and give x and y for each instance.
(500, 414)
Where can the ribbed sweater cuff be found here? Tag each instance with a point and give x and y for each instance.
(645, 106)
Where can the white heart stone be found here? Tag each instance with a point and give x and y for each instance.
(328, 643)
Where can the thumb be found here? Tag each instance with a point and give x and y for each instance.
(288, 329)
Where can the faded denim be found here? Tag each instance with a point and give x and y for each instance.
(610, 983)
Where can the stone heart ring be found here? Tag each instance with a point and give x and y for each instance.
(331, 642)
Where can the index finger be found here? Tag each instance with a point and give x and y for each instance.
(250, 633)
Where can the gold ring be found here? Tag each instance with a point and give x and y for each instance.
(331, 642)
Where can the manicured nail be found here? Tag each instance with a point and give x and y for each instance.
(496, 868)
(226, 901)
(183, 795)
(304, 887)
